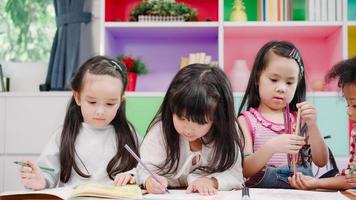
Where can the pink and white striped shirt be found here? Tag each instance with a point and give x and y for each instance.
(263, 130)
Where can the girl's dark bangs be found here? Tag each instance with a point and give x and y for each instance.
(193, 103)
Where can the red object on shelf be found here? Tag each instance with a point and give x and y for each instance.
(131, 81)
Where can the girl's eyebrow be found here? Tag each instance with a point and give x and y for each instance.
(90, 97)
(113, 99)
(277, 75)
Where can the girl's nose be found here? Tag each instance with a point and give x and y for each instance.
(99, 111)
(281, 88)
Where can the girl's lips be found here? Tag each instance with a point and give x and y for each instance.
(278, 99)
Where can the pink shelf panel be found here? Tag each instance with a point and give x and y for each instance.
(119, 10)
(320, 46)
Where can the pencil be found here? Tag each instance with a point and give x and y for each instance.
(297, 132)
(287, 128)
(154, 176)
(27, 165)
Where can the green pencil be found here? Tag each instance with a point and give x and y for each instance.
(27, 165)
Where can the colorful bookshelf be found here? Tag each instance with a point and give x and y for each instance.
(161, 45)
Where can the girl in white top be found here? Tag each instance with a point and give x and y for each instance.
(89, 147)
(193, 140)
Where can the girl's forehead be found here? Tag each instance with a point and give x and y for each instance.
(282, 66)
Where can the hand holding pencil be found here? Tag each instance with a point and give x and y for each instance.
(155, 183)
(31, 176)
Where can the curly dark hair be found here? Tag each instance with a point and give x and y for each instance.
(345, 71)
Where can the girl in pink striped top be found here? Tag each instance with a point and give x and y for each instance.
(346, 72)
(277, 79)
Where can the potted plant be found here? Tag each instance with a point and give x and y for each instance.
(134, 67)
(160, 10)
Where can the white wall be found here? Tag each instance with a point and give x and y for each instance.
(27, 122)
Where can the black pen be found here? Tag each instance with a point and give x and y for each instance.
(245, 193)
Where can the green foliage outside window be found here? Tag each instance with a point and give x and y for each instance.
(27, 29)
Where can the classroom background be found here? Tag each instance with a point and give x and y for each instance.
(226, 33)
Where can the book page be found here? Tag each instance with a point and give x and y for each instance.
(107, 191)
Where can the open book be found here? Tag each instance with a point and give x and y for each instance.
(84, 190)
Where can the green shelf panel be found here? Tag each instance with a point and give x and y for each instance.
(141, 110)
(351, 10)
(332, 120)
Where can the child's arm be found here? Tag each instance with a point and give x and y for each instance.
(49, 158)
(31, 176)
(319, 150)
(255, 161)
(303, 182)
(153, 154)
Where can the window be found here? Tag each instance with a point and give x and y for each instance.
(27, 29)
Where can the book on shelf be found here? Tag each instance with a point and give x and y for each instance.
(83, 190)
(331, 10)
(199, 57)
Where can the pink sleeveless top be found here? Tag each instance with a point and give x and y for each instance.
(263, 130)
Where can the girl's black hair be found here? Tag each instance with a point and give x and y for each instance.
(280, 48)
(345, 71)
(125, 132)
(200, 93)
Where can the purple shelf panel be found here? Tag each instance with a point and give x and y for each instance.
(161, 50)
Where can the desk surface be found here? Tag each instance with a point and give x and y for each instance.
(256, 194)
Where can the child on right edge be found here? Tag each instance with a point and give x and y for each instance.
(346, 72)
(277, 81)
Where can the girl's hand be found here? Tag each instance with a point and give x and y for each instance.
(154, 187)
(203, 185)
(308, 113)
(351, 179)
(286, 143)
(300, 181)
(123, 179)
(31, 177)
